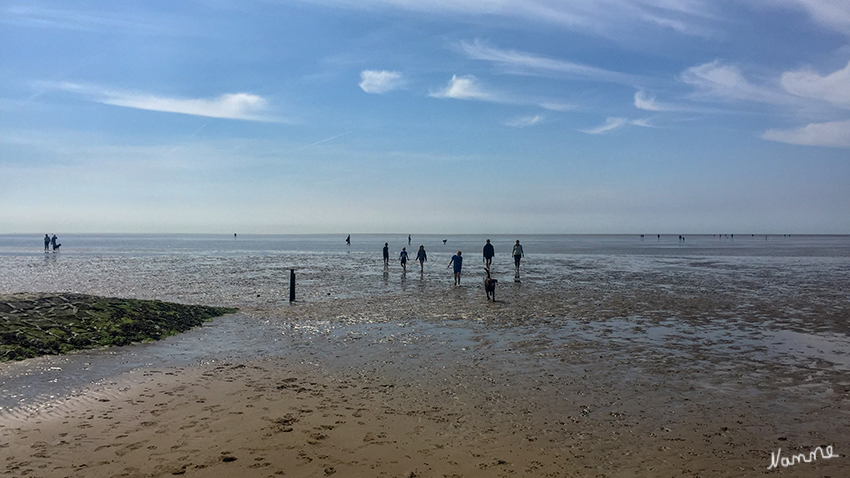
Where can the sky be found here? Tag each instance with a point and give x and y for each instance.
(425, 116)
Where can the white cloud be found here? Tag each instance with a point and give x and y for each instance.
(241, 106)
(833, 88)
(518, 62)
(611, 124)
(524, 121)
(835, 134)
(464, 88)
(728, 82)
(378, 82)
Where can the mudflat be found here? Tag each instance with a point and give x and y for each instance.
(446, 401)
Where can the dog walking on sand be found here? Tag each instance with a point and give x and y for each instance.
(490, 285)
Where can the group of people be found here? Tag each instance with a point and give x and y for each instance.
(51, 242)
(456, 262)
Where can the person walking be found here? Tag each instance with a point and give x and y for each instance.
(456, 263)
(386, 253)
(46, 243)
(518, 254)
(54, 243)
(403, 257)
(489, 252)
(421, 257)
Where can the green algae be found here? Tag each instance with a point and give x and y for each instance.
(32, 325)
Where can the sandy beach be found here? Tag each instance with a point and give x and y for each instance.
(589, 367)
(465, 411)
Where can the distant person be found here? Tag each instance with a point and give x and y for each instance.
(409, 239)
(489, 252)
(403, 258)
(54, 242)
(386, 253)
(46, 243)
(518, 255)
(348, 240)
(456, 263)
(421, 257)
(444, 241)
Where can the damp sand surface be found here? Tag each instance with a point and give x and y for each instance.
(591, 365)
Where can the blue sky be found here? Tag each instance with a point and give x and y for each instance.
(425, 116)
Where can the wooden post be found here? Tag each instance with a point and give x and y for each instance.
(292, 285)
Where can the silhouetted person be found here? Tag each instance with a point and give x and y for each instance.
(421, 257)
(46, 243)
(456, 263)
(348, 240)
(54, 243)
(489, 252)
(403, 258)
(518, 255)
(386, 253)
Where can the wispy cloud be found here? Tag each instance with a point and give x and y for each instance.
(90, 20)
(524, 63)
(611, 124)
(643, 123)
(646, 102)
(469, 87)
(727, 82)
(832, 134)
(833, 88)
(524, 121)
(378, 82)
(466, 87)
(241, 106)
(600, 17)
(615, 123)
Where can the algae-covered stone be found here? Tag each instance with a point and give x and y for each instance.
(49, 324)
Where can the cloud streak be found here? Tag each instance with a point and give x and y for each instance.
(524, 63)
(611, 124)
(91, 20)
(600, 17)
(239, 106)
(524, 121)
(727, 82)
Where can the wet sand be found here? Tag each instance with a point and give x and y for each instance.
(479, 389)
(592, 366)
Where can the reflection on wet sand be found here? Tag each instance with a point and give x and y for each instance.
(595, 365)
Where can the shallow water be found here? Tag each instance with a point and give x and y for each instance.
(714, 308)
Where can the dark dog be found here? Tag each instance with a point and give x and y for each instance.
(490, 286)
